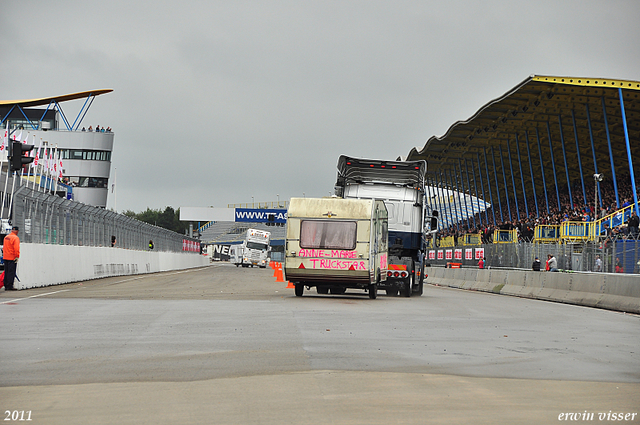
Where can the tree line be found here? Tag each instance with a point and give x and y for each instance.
(167, 219)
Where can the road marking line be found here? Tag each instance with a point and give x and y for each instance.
(34, 296)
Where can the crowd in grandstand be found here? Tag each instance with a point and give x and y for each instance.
(525, 225)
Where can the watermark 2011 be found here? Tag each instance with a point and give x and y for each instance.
(597, 416)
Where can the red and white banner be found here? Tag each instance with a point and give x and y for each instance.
(432, 255)
(479, 253)
(458, 254)
(468, 254)
(440, 255)
(448, 254)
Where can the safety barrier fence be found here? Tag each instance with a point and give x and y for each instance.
(48, 219)
(619, 255)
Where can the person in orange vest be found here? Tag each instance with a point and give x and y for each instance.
(10, 255)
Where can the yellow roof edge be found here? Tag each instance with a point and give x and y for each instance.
(589, 82)
(43, 101)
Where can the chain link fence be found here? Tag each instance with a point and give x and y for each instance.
(44, 218)
(616, 255)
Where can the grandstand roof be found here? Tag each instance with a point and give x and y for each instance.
(44, 101)
(539, 108)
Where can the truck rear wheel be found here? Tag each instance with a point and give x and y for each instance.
(407, 289)
(373, 291)
(299, 289)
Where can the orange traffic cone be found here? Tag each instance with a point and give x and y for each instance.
(279, 274)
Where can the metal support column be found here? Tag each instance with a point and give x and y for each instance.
(613, 169)
(524, 192)
(504, 177)
(553, 164)
(453, 199)
(434, 186)
(513, 181)
(575, 133)
(564, 155)
(473, 169)
(447, 206)
(533, 181)
(473, 211)
(495, 174)
(486, 167)
(464, 194)
(544, 181)
(626, 139)
(595, 163)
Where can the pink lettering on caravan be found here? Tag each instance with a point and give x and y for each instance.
(311, 253)
(344, 254)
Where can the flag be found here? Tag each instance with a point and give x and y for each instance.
(5, 138)
(18, 138)
(59, 165)
(38, 153)
(45, 161)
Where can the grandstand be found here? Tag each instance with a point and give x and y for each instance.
(535, 150)
(230, 233)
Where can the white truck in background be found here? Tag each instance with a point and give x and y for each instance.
(253, 251)
(401, 185)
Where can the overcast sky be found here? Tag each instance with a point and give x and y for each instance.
(216, 102)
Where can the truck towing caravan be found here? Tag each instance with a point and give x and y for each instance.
(401, 185)
(335, 244)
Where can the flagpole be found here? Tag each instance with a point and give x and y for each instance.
(55, 169)
(6, 180)
(115, 192)
(13, 188)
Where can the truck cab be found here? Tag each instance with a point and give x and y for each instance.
(401, 186)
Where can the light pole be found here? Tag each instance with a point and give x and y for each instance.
(597, 179)
(278, 195)
(253, 205)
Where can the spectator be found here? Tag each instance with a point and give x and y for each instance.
(633, 224)
(536, 265)
(481, 263)
(598, 264)
(619, 268)
(10, 255)
(553, 264)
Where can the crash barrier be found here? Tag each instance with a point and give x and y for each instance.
(603, 290)
(46, 265)
(48, 219)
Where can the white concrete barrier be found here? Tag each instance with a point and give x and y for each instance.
(612, 291)
(45, 265)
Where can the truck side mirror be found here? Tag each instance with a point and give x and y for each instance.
(434, 221)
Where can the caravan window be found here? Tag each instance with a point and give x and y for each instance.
(325, 234)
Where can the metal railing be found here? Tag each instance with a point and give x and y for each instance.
(546, 233)
(48, 219)
(616, 255)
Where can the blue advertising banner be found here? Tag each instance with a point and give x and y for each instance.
(255, 215)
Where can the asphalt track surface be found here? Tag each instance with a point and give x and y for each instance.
(226, 345)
